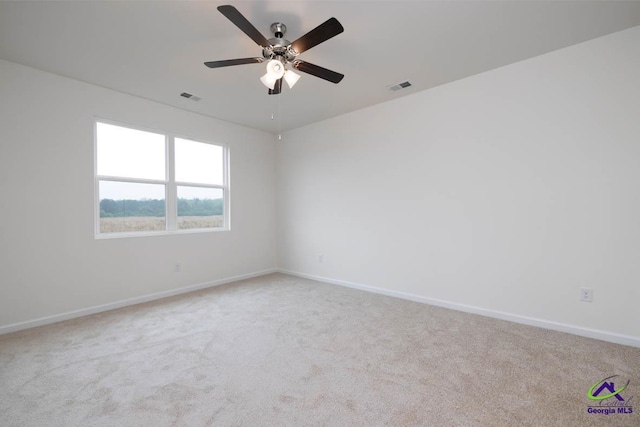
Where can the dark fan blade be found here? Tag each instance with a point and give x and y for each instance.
(241, 22)
(228, 62)
(318, 71)
(323, 32)
(277, 88)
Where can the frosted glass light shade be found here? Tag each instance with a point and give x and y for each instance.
(291, 78)
(275, 68)
(269, 80)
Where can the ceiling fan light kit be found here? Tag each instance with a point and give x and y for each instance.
(281, 54)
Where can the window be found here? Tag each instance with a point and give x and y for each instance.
(153, 183)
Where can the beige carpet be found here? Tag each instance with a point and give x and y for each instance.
(280, 350)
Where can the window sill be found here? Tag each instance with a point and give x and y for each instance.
(103, 236)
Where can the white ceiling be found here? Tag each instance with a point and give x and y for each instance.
(156, 50)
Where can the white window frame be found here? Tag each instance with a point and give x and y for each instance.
(171, 185)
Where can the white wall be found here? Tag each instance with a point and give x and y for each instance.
(504, 192)
(50, 262)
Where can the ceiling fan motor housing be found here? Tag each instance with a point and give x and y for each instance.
(280, 48)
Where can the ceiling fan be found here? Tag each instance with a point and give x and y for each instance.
(280, 54)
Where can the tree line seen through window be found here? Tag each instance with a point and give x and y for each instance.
(110, 208)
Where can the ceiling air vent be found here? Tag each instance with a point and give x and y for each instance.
(399, 86)
(190, 96)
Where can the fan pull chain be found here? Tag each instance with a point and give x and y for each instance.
(280, 117)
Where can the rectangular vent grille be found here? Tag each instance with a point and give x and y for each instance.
(190, 96)
(400, 86)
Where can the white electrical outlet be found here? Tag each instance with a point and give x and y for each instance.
(178, 267)
(586, 294)
(321, 258)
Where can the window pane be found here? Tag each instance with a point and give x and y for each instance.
(130, 153)
(198, 163)
(200, 207)
(127, 206)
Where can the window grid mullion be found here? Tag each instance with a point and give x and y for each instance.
(131, 180)
(191, 184)
(172, 191)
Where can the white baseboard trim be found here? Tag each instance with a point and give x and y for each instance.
(525, 320)
(127, 302)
